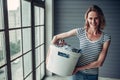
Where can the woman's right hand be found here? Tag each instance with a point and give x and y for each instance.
(54, 40)
(59, 42)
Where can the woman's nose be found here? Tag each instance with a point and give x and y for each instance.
(93, 20)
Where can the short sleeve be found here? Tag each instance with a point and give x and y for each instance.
(106, 37)
(80, 31)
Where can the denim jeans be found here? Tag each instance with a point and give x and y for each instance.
(83, 76)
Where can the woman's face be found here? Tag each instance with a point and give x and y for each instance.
(93, 19)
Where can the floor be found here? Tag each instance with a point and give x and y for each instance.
(64, 78)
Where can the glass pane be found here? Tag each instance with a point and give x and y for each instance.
(15, 43)
(39, 59)
(1, 15)
(42, 53)
(29, 77)
(42, 34)
(27, 64)
(2, 49)
(39, 16)
(42, 70)
(37, 53)
(3, 73)
(26, 13)
(39, 35)
(17, 69)
(38, 76)
(26, 39)
(14, 13)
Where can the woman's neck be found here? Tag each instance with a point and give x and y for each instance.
(93, 31)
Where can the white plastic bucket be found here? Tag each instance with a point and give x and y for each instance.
(61, 61)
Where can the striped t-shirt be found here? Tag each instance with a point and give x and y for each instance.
(90, 49)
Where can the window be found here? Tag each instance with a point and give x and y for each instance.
(22, 42)
(39, 42)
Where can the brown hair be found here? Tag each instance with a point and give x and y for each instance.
(100, 14)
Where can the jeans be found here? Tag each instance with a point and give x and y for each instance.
(83, 76)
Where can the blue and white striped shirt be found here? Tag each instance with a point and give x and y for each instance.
(90, 49)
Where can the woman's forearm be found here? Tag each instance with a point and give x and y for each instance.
(94, 64)
(64, 35)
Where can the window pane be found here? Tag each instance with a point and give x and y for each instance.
(14, 13)
(42, 70)
(29, 77)
(17, 69)
(26, 13)
(42, 53)
(37, 15)
(2, 49)
(27, 64)
(42, 34)
(38, 76)
(39, 35)
(3, 73)
(15, 43)
(1, 15)
(26, 40)
(39, 55)
(38, 59)
(41, 16)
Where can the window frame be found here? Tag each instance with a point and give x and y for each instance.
(6, 30)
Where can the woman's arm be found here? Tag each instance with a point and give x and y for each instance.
(64, 35)
(100, 60)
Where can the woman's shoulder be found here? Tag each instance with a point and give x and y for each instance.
(81, 29)
(106, 36)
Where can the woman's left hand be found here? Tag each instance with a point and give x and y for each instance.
(75, 70)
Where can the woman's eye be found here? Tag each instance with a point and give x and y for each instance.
(90, 18)
(96, 18)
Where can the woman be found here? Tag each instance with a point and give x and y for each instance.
(94, 44)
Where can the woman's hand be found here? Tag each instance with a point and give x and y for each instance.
(75, 70)
(59, 42)
(54, 40)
